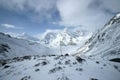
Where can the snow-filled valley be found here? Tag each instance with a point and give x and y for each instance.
(51, 42)
(63, 55)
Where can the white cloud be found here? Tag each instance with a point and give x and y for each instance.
(8, 26)
(54, 23)
(36, 6)
(92, 14)
(36, 11)
(112, 5)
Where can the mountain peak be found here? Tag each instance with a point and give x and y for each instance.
(27, 37)
(53, 37)
(118, 15)
(115, 19)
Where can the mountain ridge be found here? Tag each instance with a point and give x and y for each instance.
(12, 47)
(104, 41)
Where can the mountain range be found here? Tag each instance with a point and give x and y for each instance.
(97, 59)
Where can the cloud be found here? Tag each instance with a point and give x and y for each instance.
(23, 5)
(112, 5)
(37, 10)
(13, 34)
(92, 14)
(8, 26)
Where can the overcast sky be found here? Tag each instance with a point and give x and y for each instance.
(36, 16)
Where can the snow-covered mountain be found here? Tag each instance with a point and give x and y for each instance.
(65, 40)
(23, 36)
(11, 47)
(65, 37)
(106, 42)
(87, 66)
(27, 37)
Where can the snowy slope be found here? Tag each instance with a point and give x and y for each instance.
(106, 42)
(58, 68)
(11, 47)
